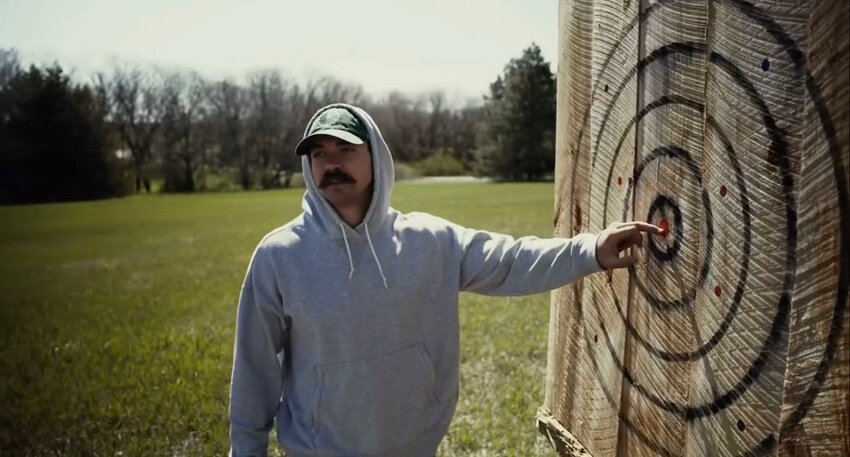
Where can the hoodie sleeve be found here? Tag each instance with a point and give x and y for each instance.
(257, 380)
(497, 264)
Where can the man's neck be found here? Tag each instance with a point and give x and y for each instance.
(352, 214)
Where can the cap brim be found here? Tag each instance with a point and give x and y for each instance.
(304, 145)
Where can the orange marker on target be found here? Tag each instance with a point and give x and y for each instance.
(665, 227)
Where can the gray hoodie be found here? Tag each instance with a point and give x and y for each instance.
(349, 336)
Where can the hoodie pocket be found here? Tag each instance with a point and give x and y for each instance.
(369, 405)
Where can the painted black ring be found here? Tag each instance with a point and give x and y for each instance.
(794, 53)
(765, 446)
(729, 317)
(779, 148)
(674, 153)
(687, 48)
(734, 305)
(659, 207)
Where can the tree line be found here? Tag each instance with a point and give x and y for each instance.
(131, 130)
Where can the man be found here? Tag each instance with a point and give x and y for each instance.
(347, 329)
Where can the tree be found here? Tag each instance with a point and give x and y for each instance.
(325, 90)
(437, 127)
(177, 127)
(9, 69)
(136, 111)
(266, 133)
(53, 147)
(296, 113)
(230, 108)
(9, 66)
(463, 128)
(182, 99)
(516, 139)
(404, 123)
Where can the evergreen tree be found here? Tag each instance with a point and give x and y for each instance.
(517, 134)
(52, 145)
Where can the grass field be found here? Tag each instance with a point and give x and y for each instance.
(117, 320)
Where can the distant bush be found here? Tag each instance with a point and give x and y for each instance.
(297, 181)
(441, 164)
(219, 181)
(405, 171)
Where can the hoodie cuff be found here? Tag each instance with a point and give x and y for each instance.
(585, 253)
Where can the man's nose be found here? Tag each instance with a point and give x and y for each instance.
(332, 167)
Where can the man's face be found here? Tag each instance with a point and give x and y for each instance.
(341, 170)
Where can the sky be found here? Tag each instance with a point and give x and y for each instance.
(459, 46)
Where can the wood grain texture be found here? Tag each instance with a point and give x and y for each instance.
(730, 121)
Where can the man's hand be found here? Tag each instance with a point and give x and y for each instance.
(619, 237)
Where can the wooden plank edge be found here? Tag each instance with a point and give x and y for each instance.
(564, 442)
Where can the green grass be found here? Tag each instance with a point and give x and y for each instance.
(117, 320)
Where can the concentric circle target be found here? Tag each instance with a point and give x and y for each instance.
(778, 145)
(691, 215)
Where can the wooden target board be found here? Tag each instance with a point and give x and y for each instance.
(728, 122)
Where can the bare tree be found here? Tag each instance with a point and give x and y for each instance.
(267, 96)
(296, 114)
(182, 98)
(136, 113)
(436, 134)
(324, 90)
(229, 103)
(409, 120)
(462, 128)
(327, 90)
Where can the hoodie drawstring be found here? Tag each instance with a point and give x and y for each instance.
(371, 248)
(375, 256)
(348, 250)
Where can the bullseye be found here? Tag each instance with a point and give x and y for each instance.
(665, 227)
(663, 209)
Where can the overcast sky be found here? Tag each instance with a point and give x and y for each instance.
(413, 46)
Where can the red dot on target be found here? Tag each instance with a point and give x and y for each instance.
(722, 191)
(619, 180)
(718, 291)
(665, 227)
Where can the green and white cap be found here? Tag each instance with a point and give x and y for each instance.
(336, 122)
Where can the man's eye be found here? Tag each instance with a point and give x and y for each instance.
(317, 154)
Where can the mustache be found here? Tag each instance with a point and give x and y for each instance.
(335, 176)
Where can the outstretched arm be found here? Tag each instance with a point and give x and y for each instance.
(497, 264)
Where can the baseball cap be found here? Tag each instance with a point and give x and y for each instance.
(336, 122)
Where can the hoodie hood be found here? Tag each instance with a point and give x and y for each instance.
(318, 211)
